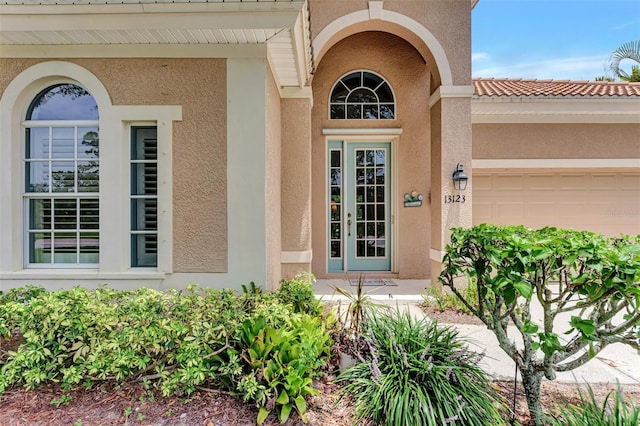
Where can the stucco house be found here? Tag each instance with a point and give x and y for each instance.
(153, 143)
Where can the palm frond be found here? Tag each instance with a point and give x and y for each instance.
(629, 50)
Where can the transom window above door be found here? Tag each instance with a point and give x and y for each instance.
(362, 95)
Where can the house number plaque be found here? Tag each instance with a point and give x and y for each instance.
(454, 198)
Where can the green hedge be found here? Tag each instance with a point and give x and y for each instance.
(263, 347)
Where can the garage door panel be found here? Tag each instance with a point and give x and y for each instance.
(483, 211)
(603, 182)
(575, 210)
(571, 182)
(510, 209)
(599, 201)
(542, 182)
(629, 183)
(539, 209)
(509, 182)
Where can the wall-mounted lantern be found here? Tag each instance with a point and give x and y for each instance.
(459, 178)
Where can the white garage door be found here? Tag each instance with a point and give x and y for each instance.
(606, 202)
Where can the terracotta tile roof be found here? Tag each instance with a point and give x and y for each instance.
(553, 88)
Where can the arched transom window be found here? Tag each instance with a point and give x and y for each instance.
(362, 95)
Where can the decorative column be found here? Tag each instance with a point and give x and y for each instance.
(296, 106)
(450, 145)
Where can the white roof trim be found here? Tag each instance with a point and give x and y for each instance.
(583, 110)
(450, 92)
(556, 163)
(148, 29)
(321, 41)
(367, 131)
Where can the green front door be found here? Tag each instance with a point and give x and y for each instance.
(359, 228)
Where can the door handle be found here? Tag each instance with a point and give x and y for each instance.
(349, 225)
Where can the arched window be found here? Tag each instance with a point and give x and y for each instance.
(62, 178)
(362, 95)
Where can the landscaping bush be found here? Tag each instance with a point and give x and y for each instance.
(175, 341)
(299, 293)
(613, 411)
(417, 372)
(568, 293)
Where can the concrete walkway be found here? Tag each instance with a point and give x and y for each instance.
(616, 362)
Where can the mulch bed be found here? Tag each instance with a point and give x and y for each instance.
(131, 404)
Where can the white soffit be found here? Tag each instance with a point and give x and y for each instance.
(27, 26)
(556, 110)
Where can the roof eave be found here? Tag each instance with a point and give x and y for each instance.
(556, 110)
(83, 29)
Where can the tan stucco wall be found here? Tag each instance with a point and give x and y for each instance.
(381, 53)
(526, 140)
(272, 182)
(448, 21)
(296, 182)
(199, 142)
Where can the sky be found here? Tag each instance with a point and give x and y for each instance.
(550, 39)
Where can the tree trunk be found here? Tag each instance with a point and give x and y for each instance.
(532, 381)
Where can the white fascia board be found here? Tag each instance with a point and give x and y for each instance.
(450, 92)
(589, 110)
(361, 131)
(135, 50)
(300, 42)
(244, 15)
(555, 163)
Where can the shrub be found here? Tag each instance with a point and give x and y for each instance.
(435, 296)
(547, 282)
(613, 411)
(419, 373)
(175, 341)
(299, 293)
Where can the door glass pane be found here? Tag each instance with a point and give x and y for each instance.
(335, 159)
(370, 203)
(336, 251)
(335, 203)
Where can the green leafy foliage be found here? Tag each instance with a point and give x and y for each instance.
(436, 297)
(613, 411)
(419, 373)
(591, 278)
(251, 344)
(299, 293)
